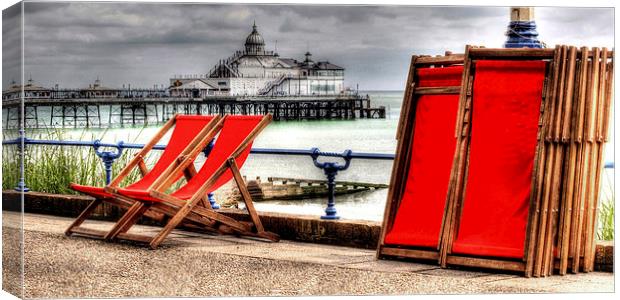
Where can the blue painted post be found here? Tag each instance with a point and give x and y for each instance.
(522, 29)
(21, 147)
(108, 158)
(210, 196)
(331, 170)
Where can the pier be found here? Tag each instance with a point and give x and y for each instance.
(69, 109)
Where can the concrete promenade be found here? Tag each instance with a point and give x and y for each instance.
(192, 264)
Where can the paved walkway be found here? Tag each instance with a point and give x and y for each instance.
(191, 264)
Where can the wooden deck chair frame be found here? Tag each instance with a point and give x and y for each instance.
(459, 168)
(157, 213)
(402, 159)
(582, 137)
(180, 209)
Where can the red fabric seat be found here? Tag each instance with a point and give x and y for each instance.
(185, 129)
(506, 109)
(234, 131)
(419, 217)
(94, 191)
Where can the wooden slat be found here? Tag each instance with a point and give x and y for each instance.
(407, 97)
(207, 213)
(459, 164)
(410, 253)
(453, 59)
(553, 85)
(600, 117)
(512, 53)
(91, 233)
(245, 195)
(608, 99)
(134, 237)
(188, 155)
(569, 95)
(128, 219)
(437, 90)
(142, 153)
(544, 210)
(520, 53)
(142, 166)
(547, 110)
(578, 132)
(486, 263)
(83, 216)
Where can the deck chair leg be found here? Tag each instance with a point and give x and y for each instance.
(249, 204)
(140, 213)
(131, 215)
(172, 223)
(83, 215)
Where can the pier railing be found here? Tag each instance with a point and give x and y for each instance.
(330, 168)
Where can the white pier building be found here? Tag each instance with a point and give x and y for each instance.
(255, 72)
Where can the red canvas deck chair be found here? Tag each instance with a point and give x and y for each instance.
(187, 132)
(425, 151)
(231, 149)
(492, 198)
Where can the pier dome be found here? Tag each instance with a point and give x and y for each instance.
(254, 43)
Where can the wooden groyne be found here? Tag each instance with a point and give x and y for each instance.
(278, 188)
(131, 111)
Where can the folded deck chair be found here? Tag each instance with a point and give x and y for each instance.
(491, 203)
(232, 147)
(187, 132)
(421, 171)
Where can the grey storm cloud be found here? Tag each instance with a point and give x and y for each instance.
(143, 44)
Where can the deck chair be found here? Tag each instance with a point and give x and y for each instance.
(425, 151)
(580, 141)
(187, 132)
(492, 201)
(231, 149)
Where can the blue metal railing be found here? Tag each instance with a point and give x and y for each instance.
(108, 157)
(329, 168)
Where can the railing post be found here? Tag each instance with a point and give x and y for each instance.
(21, 150)
(108, 158)
(210, 196)
(331, 170)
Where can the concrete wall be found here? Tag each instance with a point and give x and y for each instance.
(352, 233)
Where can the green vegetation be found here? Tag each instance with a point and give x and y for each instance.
(606, 209)
(51, 169)
(606, 221)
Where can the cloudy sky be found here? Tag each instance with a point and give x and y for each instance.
(145, 44)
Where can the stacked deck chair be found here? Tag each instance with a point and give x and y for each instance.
(425, 151)
(573, 160)
(187, 132)
(527, 168)
(490, 200)
(231, 149)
